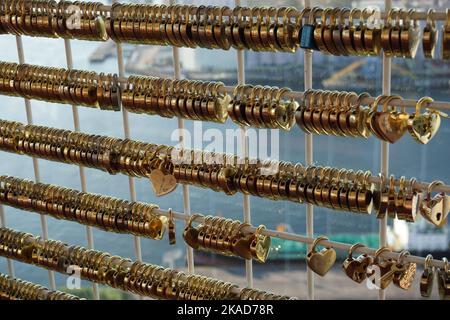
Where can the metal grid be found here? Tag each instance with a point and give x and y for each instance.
(308, 84)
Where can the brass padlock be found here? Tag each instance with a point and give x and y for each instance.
(190, 234)
(356, 269)
(386, 270)
(444, 281)
(322, 261)
(427, 278)
(432, 209)
(260, 246)
(405, 278)
(171, 229)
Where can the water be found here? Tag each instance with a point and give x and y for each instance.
(407, 158)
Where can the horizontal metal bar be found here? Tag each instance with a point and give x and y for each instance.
(308, 240)
(295, 13)
(350, 176)
(125, 264)
(407, 103)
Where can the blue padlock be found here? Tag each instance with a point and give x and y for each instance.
(307, 33)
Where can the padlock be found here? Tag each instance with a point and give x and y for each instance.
(307, 37)
(435, 210)
(445, 211)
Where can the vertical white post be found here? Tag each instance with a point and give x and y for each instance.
(82, 171)
(308, 65)
(37, 178)
(3, 225)
(244, 148)
(384, 168)
(181, 138)
(126, 130)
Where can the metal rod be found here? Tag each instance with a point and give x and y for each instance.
(299, 95)
(310, 240)
(11, 271)
(126, 130)
(309, 152)
(246, 12)
(181, 139)
(384, 164)
(240, 56)
(29, 112)
(114, 263)
(82, 171)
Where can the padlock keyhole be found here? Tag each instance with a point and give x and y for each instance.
(438, 216)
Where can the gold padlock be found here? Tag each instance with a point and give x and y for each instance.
(405, 278)
(321, 261)
(432, 209)
(356, 269)
(427, 278)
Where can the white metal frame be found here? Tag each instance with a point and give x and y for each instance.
(82, 171)
(240, 59)
(181, 139)
(37, 176)
(127, 135)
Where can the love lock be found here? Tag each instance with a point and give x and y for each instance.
(190, 233)
(444, 281)
(404, 279)
(260, 246)
(427, 278)
(322, 261)
(307, 36)
(386, 269)
(240, 244)
(356, 269)
(423, 127)
(435, 210)
(163, 182)
(389, 124)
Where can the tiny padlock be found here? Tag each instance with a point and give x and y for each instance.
(432, 209)
(307, 37)
(444, 281)
(322, 261)
(240, 244)
(260, 246)
(382, 277)
(404, 279)
(171, 227)
(356, 269)
(190, 234)
(427, 278)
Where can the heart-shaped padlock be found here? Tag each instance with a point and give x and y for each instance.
(163, 182)
(432, 209)
(322, 261)
(356, 269)
(387, 125)
(423, 127)
(260, 246)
